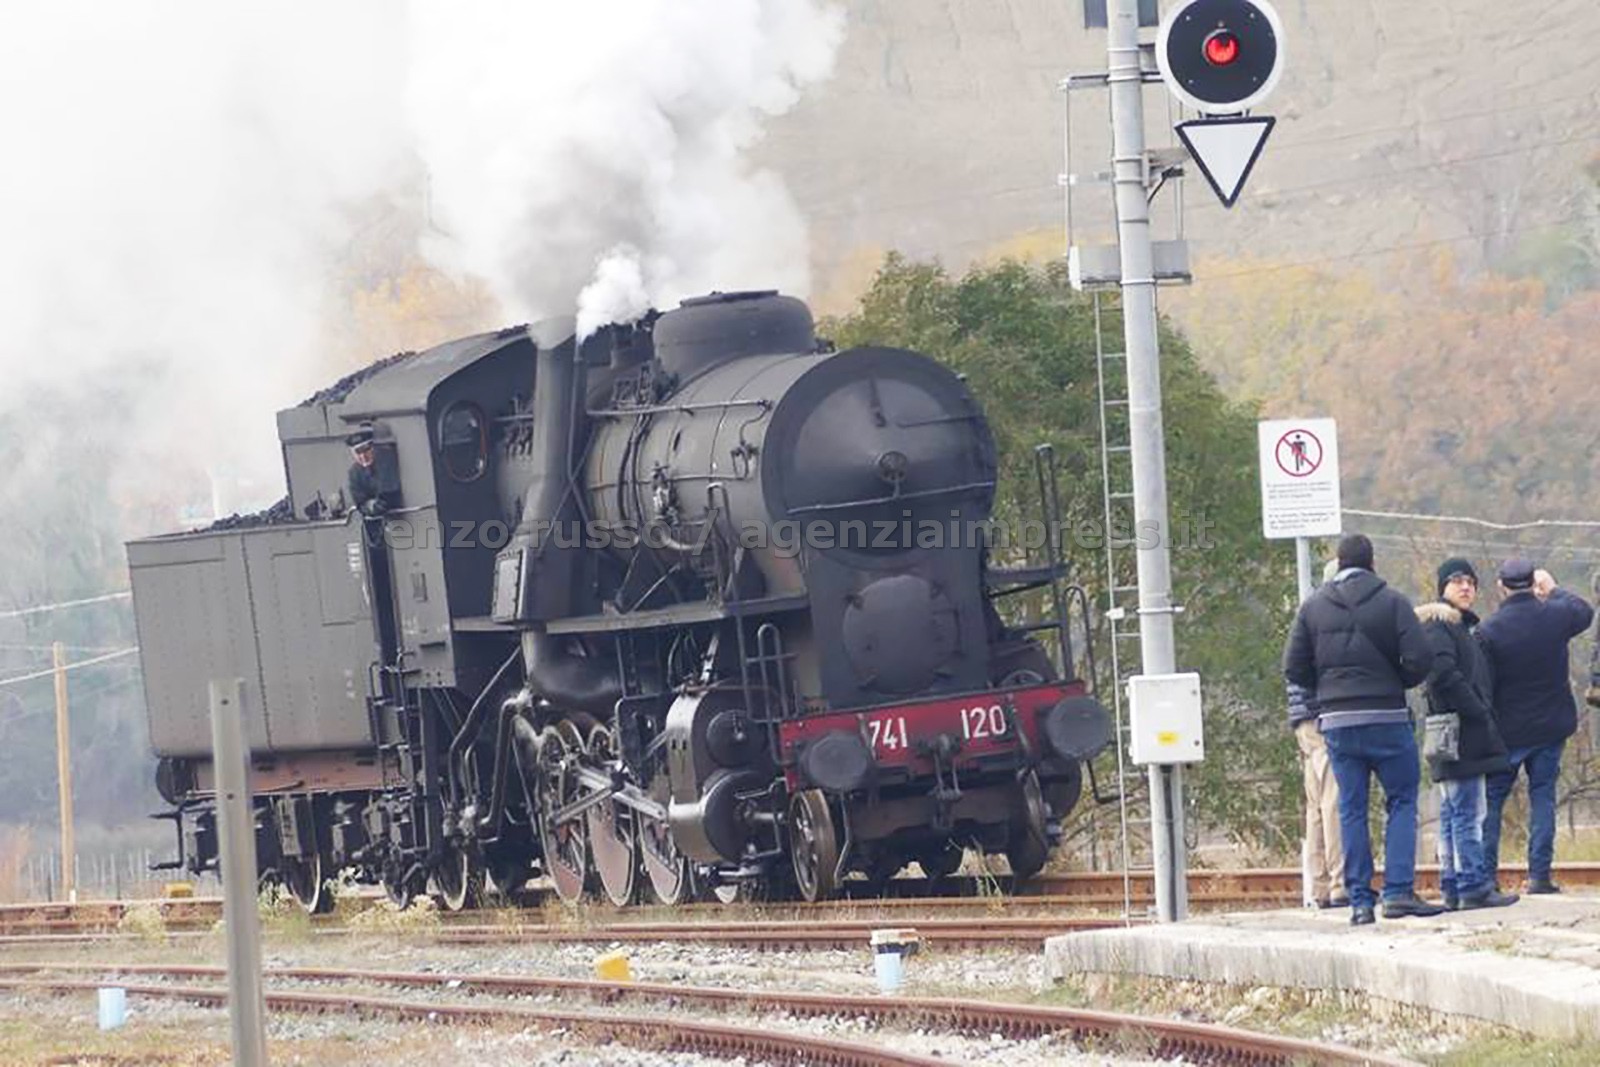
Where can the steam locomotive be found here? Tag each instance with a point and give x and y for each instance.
(653, 609)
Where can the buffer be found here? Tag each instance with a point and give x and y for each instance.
(1226, 150)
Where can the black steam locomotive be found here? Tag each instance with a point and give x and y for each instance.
(692, 603)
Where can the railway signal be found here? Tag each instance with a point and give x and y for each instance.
(1222, 58)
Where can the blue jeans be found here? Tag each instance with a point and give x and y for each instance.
(1462, 807)
(1543, 766)
(1388, 750)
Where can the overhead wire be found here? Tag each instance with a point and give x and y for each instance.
(48, 671)
(1470, 520)
(40, 609)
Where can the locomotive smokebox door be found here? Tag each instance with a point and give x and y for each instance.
(899, 633)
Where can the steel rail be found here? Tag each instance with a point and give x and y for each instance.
(651, 1032)
(1264, 887)
(1198, 1043)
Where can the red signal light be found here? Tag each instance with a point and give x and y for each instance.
(1222, 48)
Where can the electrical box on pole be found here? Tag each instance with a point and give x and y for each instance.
(1222, 58)
(1167, 723)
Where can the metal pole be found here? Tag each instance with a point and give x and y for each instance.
(1302, 568)
(1304, 587)
(69, 884)
(237, 838)
(1130, 168)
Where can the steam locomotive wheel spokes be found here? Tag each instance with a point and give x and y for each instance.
(565, 846)
(458, 881)
(303, 878)
(813, 844)
(664, 865)
(613, 842)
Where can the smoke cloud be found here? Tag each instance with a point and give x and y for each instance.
(613, 133)
(184, 181)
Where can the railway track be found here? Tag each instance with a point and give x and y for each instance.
(1263, 887)
(991, 932)
(1194, 1043)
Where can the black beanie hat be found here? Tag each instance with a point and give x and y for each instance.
(1451, 567)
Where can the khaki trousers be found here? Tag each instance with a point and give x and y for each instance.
(1324, 845)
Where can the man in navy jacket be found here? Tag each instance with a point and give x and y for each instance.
(1526, 642)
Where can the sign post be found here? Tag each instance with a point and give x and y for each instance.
(1299, 460)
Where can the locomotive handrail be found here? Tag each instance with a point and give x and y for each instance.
(683, 409)
(896, 498)
(1032, 576)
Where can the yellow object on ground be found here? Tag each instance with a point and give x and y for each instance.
(613, 967)
(174, 890)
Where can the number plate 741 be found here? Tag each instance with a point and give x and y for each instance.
(889, 733)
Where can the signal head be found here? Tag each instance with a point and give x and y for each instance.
(1221, 57)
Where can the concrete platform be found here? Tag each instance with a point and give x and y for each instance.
(1534, 966)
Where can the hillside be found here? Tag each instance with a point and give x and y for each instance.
(1416, 158)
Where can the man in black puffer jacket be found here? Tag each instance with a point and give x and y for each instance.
(1526, 643)
(1461, 684)
(1357, 647)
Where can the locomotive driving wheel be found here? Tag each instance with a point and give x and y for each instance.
(813, 846)
(303, 878)
(457, 883)
(565, 844)
(666, 868)
(613, 840)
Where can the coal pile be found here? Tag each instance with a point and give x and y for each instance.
(342, 388)
(278, 514)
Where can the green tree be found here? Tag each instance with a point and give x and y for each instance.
(1026, 342)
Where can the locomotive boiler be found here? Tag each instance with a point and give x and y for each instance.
(694, 603)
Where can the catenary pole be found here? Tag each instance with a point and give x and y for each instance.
(1130, 169)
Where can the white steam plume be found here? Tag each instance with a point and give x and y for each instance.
(170, 203)
(182, 180)
(564, 139)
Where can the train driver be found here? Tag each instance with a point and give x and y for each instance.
(365, 493)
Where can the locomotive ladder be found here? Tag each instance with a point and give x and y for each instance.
(1122, 593)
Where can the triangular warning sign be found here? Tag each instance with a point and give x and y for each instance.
(1226, 150)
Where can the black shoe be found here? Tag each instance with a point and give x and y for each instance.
(1488, 898)
(1452, 902)
(1361, 916)
(1542, 886)
(1411, 906)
